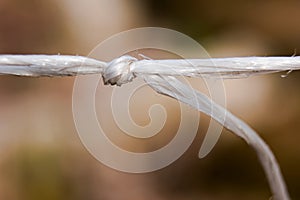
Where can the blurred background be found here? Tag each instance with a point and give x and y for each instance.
(41, 156)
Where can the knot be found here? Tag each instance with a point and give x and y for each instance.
(118, 71)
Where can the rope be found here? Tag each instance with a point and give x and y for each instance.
(161, 76)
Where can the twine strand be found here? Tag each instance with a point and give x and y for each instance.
(161, 76)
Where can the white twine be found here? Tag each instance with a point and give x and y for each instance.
(160, 75)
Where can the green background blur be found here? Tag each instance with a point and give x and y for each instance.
(41, 156)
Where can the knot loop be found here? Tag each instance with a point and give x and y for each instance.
(118, 71)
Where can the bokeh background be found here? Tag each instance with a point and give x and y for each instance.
(41, 156)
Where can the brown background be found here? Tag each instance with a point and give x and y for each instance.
(41, 156)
